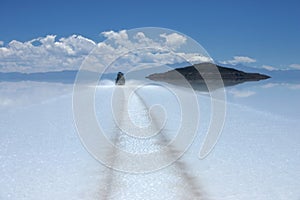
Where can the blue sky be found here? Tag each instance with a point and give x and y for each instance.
(267, 31)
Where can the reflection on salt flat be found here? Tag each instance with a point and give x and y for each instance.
(292, 86)
(25, 93)
(278, 98)
(256, 157)
(270, 96)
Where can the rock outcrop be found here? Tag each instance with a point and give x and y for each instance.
(120, 80)
(229, 76)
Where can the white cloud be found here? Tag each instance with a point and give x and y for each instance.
(241, 93)
(140, 50)
(119, 36)
(50, 53)
(268, 67)
(174, 40)
(1, 43)
(295, 66)
(239, 59)
(195, 58)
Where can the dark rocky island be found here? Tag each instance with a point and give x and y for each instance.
(229, 76)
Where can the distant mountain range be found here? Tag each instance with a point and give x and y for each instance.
(235, 73)
(66, 76)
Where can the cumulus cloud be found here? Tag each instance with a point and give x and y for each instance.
(45, 54)
(239, 59)
(295, 66)
(173, 40)
(51, 53)
(141, 49)
(118, 36)
(268, 67)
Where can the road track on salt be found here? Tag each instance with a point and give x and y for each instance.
(172, 182)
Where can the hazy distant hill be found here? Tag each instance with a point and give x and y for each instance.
(232, 74)
(66, 76)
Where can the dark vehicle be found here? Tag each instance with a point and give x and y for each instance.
(120, 80)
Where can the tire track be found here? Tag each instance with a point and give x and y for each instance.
(189, 188)
(193, 184)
